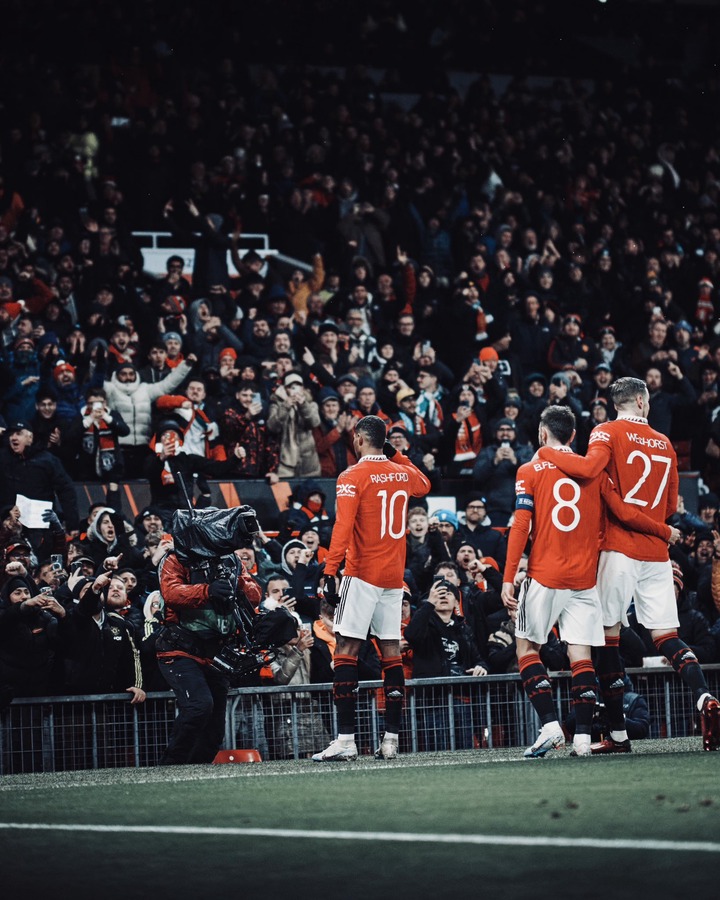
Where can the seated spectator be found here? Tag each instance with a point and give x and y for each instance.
(635, 710)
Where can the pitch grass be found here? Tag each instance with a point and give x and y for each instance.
(651, 794)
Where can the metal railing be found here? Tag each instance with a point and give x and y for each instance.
(52, 734)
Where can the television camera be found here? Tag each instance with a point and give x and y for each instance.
(205, 542)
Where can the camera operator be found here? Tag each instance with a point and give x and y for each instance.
(199, 607)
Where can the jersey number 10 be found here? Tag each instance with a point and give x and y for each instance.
(389, 513)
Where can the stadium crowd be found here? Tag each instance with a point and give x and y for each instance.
(466, 262)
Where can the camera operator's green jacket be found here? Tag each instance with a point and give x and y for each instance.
(188, 605)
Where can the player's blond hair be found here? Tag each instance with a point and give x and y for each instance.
(625, 390)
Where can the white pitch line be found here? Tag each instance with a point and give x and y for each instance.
(496, 840)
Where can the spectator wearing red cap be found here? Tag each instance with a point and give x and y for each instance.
(120, 348)
(9, 314)
(502, 362)
(69, 394)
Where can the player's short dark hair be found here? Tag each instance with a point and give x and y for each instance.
(559, 421)
(624, 390)
(374, 430)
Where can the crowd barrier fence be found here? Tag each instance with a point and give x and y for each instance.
(53, 734)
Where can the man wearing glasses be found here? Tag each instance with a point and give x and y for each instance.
(477, 531)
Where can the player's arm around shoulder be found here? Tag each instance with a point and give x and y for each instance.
(576, 466)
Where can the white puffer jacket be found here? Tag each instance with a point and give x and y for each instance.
(134, 400)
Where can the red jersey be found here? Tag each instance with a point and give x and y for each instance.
(371, 511)
(642, 464)
(568, 518)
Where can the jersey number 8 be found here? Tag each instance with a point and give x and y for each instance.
(566, 503)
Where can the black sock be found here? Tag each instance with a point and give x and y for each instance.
(683, 660)
(394, 687)
(345, 686)
(611, 676)
(583, 695)
(537, 686)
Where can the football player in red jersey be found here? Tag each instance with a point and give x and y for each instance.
(643, 466)
(369, 534)
(567, 519)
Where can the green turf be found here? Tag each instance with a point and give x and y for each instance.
(667, 797)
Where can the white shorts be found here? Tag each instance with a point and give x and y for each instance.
(578, 614)
(367, 608)
(622, 579)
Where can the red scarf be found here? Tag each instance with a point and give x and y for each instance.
(704, 311)
(468, 441)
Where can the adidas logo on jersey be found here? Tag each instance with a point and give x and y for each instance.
(345, 490)
(543, 684)
(588, 695)
(617, 684)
